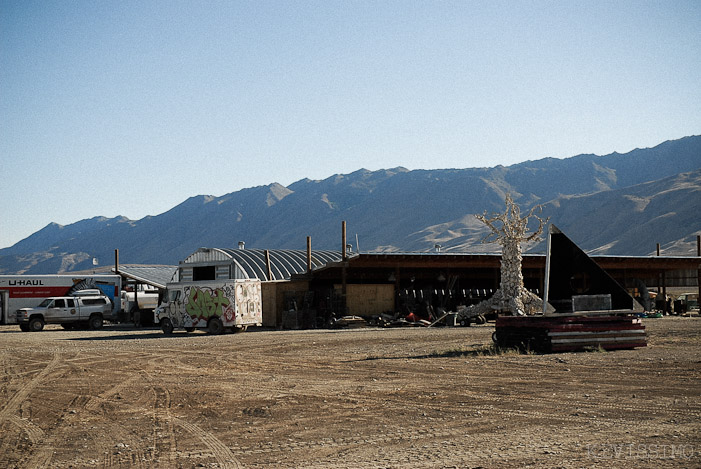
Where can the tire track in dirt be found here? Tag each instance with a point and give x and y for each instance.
(43, 452)
(34, 433)
(349, 441)
(224, 456)
(164, 442)
(95, 402)
(23, 392)
(616, 406)
(172, 362)
(163, 423)
(164, 420)
(42, 456)
(78, 405)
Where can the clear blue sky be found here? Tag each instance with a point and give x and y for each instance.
(130, 107)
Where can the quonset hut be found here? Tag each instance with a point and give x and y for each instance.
(262, 264)
(273, 267)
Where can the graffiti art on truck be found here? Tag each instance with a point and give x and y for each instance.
(204, 303)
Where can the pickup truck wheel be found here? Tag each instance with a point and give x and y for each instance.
(36, 324)
(95, 322)
(215, 326)
(167, 326)
(24, 327)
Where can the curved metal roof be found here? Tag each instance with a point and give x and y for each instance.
(283, 262)
(154, 275)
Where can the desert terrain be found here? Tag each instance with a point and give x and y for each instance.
(356, 398)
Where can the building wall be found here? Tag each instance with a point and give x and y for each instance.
(274, 299)
(369, 299)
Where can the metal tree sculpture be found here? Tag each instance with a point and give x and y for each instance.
(510, 230)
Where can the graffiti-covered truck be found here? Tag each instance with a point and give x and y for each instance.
(217, 306)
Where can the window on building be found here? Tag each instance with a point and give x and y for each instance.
(203, 273)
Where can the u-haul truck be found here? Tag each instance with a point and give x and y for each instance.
(217, 306)
(27, 291)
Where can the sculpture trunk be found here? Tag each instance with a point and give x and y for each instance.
(510, 230)
(511, 272)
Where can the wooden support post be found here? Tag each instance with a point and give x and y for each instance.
(343, 268)
(659, 276)
(665, 309)
(343, 240)
(268, 268)
(309, 254)
(397, 285)
(698, 254)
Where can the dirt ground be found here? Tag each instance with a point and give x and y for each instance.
(360, 398)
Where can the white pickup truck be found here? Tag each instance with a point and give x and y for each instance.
(86, 308)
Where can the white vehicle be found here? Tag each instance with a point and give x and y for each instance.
(139, 304)
(87, 308)
(214, 305)
(27, 291)
(142, 300)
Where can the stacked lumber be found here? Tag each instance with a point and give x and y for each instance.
(570, 332)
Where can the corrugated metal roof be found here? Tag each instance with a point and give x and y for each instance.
(155, 275)
(283, 262)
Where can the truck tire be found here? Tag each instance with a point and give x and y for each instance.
(95, 322)
(36, 324)
(167, 326)
(215, 326)
(24, 327)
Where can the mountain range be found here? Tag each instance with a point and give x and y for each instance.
(620, 204)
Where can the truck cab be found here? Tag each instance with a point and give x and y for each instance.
(88, 308)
